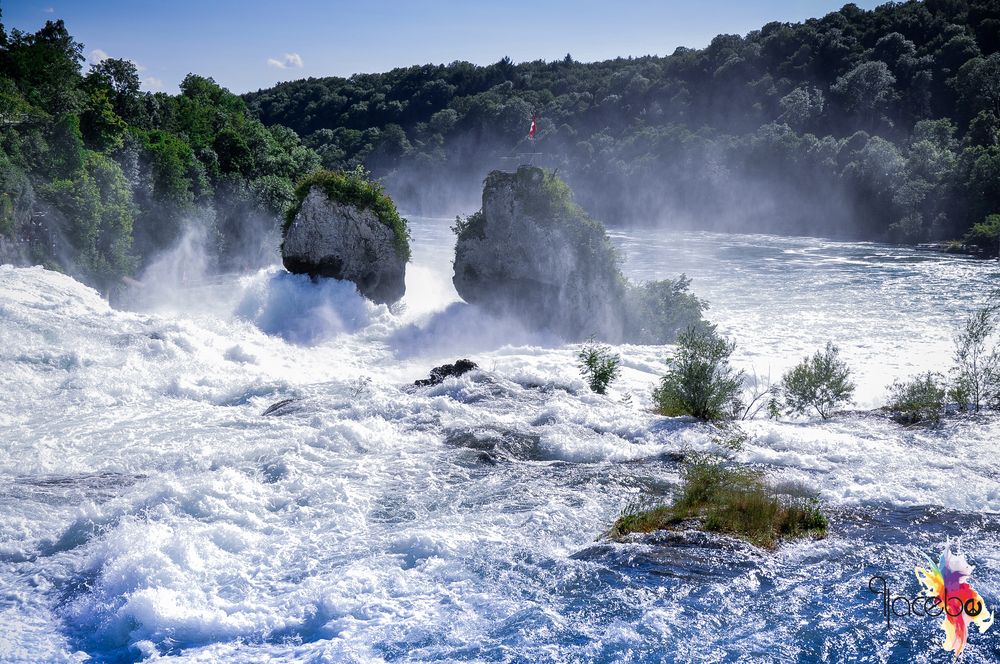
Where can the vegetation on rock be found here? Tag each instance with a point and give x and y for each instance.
(918, 400)
(734, 500)
(976, 372)
(700, 381)
(820, 382)
(599, 366)
(357, 189)
(533, 253)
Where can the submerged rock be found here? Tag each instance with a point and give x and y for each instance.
(345, 227)
(533, 254)
(274, 408)
(438, 374)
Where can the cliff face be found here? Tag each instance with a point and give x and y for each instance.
(327, 238)
(531, 253)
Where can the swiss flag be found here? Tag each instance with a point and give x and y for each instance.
(534, 128)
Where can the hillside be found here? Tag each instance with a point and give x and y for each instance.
(880, 124)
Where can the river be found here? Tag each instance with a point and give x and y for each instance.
(149, 509)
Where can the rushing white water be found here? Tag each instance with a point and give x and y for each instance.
(149, 509)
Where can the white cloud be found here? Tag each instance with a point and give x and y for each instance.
(152, 83)
(99, 55)
(49, 10)
(290, 61)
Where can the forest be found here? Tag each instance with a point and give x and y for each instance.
(882, 125)
(97, 177)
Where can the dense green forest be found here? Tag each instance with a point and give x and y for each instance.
(97, 176)
(881, 124)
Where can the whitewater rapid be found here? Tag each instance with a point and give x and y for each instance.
(148, 509)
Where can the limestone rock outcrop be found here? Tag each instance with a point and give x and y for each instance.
(533, 254)
(340, 236)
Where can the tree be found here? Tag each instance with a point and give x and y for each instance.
(801, 105)
(599, 366)
(978, 86)
(121, 79)
(699, 379)
(821, 383)
(976, 373)
(46, 65)
(866, 89)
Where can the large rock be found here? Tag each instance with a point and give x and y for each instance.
(344, 240)
(533, 254)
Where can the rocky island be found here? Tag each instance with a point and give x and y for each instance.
(532, 253)
(344, 226)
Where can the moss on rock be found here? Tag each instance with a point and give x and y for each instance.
(356, 189)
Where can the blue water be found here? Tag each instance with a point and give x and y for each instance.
(150, 510)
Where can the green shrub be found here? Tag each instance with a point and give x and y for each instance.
(985, 235)
(599, 366)
(354, 188)
(821, 382)
(473, 226)
(976, 374)
(699, 379)
(731, 500)
(920, 399)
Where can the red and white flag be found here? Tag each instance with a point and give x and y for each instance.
(534, 128)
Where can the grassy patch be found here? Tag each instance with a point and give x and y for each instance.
(354, 188)
(731, 500)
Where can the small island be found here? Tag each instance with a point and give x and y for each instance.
(343, 225)
(732, 500)
(532, 253)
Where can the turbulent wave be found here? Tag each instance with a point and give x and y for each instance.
(149, 509)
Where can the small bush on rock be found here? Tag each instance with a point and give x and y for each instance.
(920, 399)
(700, 381)
(976, 374)
(821, 383)
(733, 500)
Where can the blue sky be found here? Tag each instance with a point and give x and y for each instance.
(248, 45)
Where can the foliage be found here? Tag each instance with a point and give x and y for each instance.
(920, 399)
(699, 379)
(658, 310)
(98, 176)
(759, 394)
(599, 366)
(985, 235)
(821, 383)
(733, 500)
(356, 189)
(976, 373)
(472, 226)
